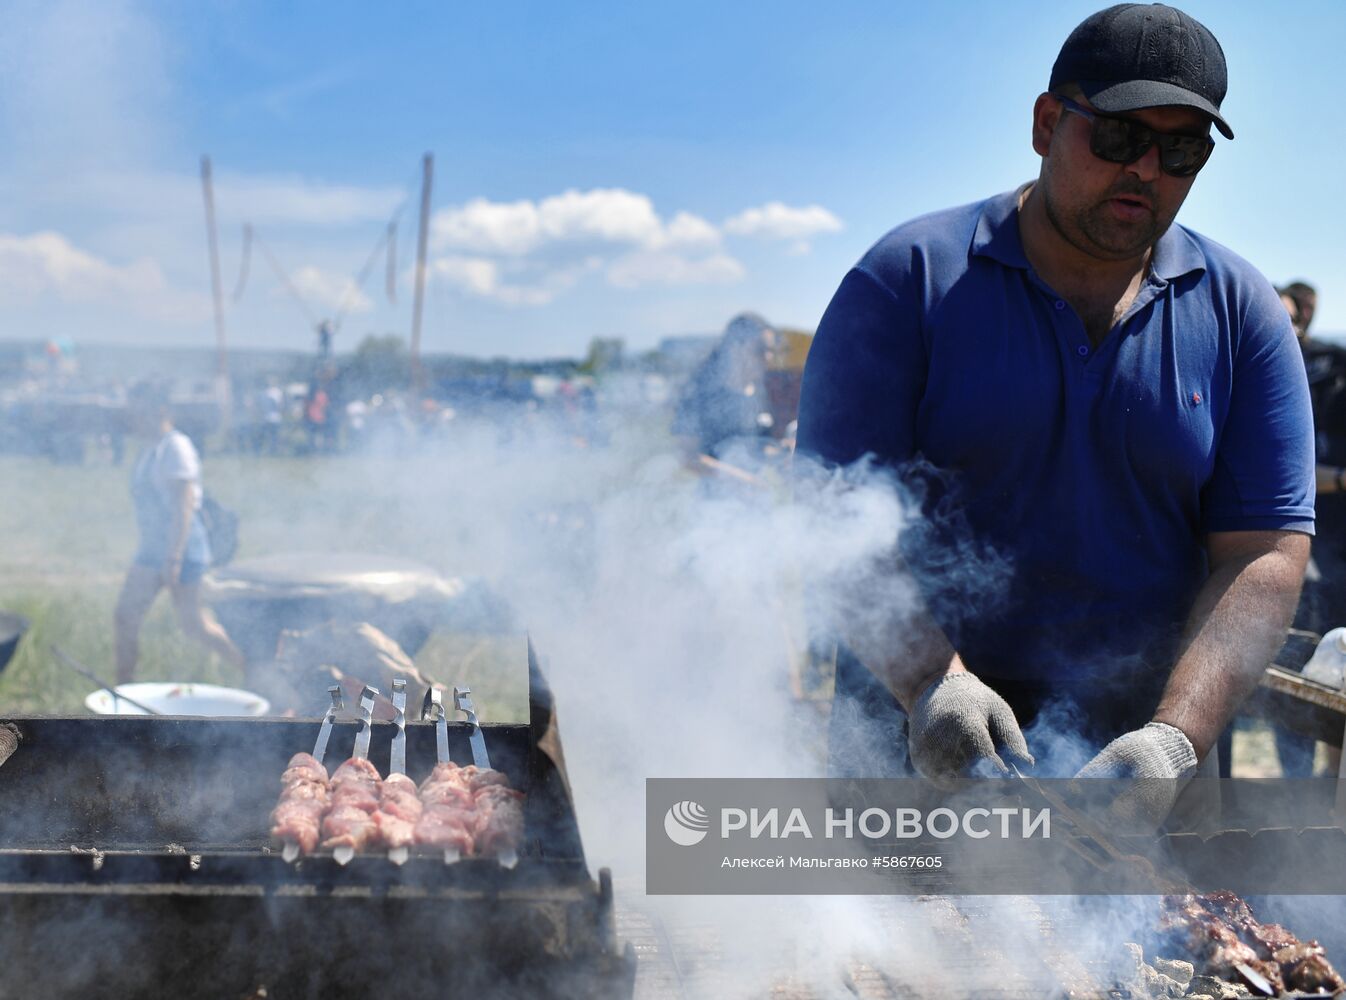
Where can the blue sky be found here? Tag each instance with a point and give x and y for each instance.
(628, 170)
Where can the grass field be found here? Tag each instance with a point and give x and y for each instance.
(69, 535)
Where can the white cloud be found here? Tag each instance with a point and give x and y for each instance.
(602, 216)
(482, 277)
(688, 230)
(662, 268)
(332, 292)
(48, 264)
(633, 244)
(607, 215)
(483, 226)
(527, 252)
(777, 221)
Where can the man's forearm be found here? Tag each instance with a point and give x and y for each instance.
(907, 652)
(1237, 624)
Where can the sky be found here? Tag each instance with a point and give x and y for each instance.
(600, 169)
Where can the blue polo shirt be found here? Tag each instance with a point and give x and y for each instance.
(1067, 489)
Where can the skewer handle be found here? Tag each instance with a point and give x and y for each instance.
(433, 708)
(367, 696)
(397, 764)
(463, 702)
(325, 733)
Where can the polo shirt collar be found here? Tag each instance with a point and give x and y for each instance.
(997, 237)
(997, 232)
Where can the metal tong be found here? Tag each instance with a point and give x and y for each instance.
(463, 702)
(1096, 847)
(343, 854)
(432, 709)
(397, 762)
(89, 675)
(291, 850)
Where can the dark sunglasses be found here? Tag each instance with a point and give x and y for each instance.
(1123, 140)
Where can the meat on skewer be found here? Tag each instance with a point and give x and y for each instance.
(355, 800)
(446, 819)
(399, 810)
(304, 797)
(1221, 931)
(472, 809)
(498, 821)
(469, 778)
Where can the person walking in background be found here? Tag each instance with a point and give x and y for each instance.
(173, 551)
(271, 402)
(315, 415)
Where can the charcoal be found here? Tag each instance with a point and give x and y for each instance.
(1176, 969)
(1159, 985)
(1218, 989)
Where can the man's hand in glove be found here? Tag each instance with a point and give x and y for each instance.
(958, 722)
(1160, 758)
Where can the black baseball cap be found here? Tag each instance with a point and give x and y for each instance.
(1137, 55)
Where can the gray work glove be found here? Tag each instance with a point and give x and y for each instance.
(1160, 758)
(958, 722)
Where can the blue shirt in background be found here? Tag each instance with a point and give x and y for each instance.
(1093, 474)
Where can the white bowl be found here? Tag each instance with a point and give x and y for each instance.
(179, 699)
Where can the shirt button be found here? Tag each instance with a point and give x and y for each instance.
(1060, 304)
(1082, 351)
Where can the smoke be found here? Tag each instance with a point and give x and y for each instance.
(669, 609)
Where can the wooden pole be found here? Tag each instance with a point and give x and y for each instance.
(212, 243)
(418, 302)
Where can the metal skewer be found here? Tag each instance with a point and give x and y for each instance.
(397, 763)
(433, 708)
(291, 850)
(343, 854)
(463, 702)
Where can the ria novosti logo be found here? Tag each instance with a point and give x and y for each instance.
(686, 823)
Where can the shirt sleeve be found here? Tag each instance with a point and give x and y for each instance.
(179, 459)
(1263, 478)
(865, 375)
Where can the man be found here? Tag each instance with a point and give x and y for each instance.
(725, 403)
(1113, 406)
(1301, 302)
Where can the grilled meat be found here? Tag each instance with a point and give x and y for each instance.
(1220, 930)
(399, 810)
(467, 808)
(469, 778)
(498, 820)
(447, 817)
(304, 797)
(355, 800)
(303, 767)
(1297, 952)
(470, 808)
(1314, 973)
